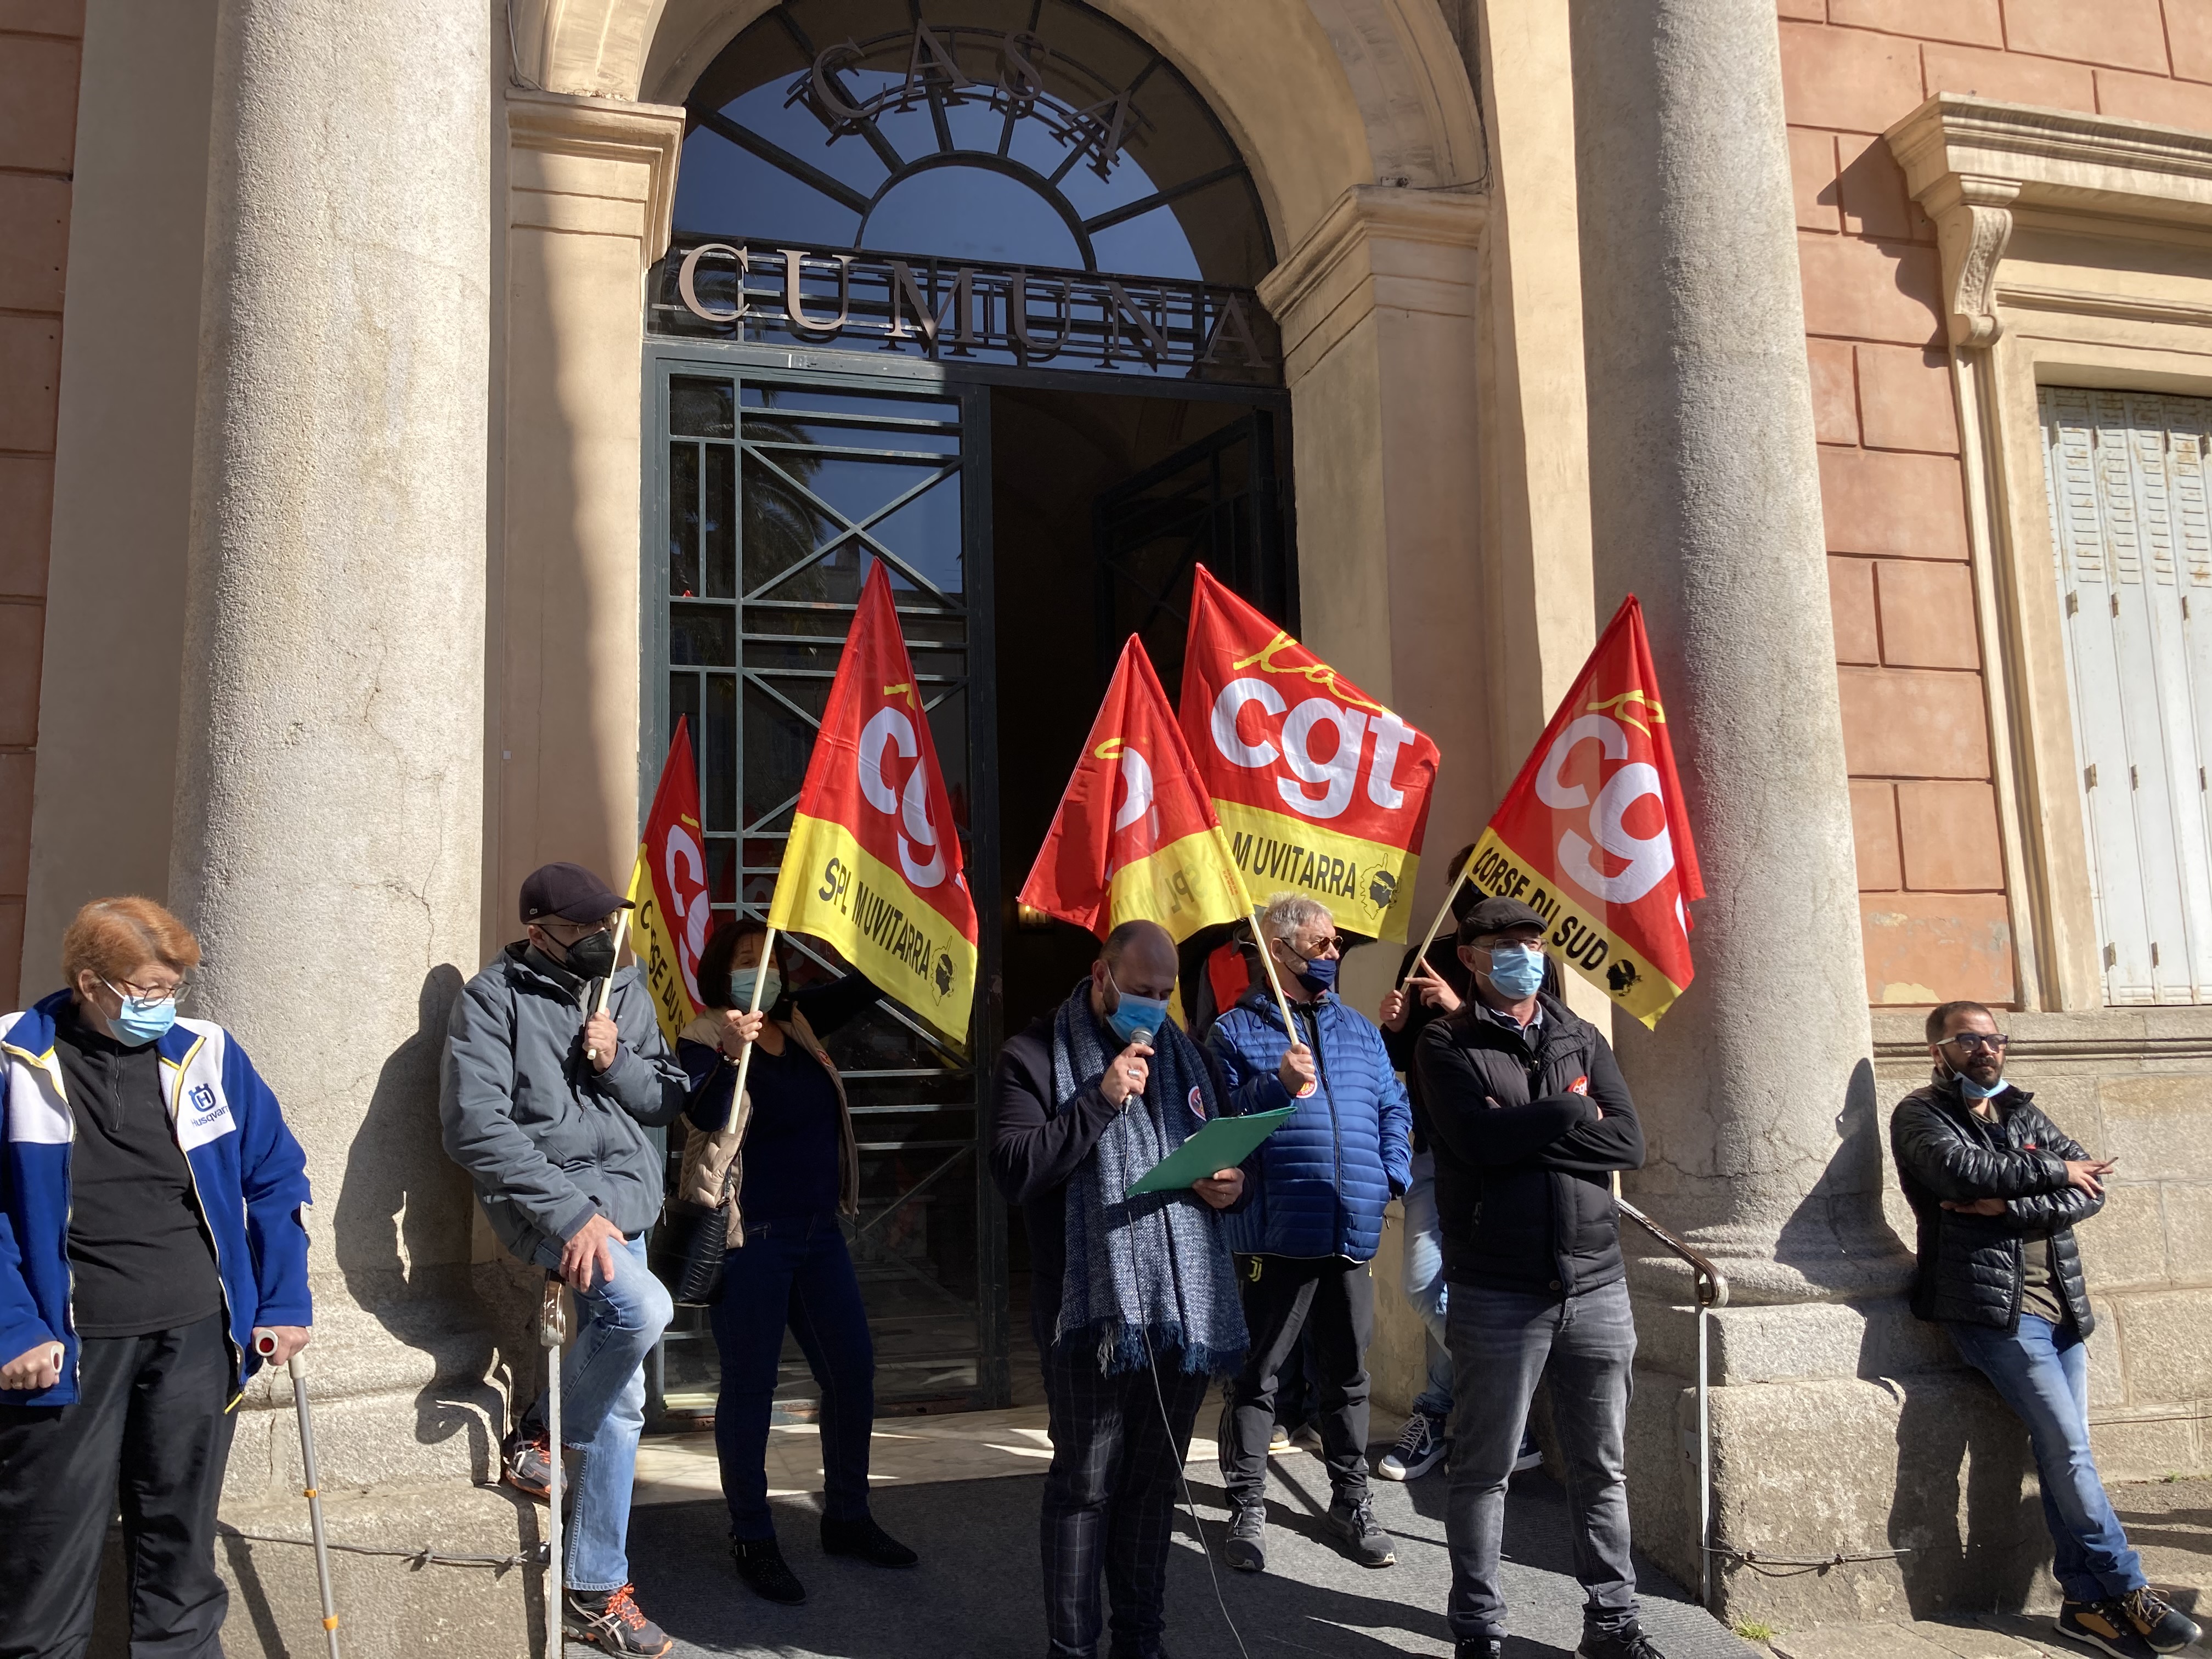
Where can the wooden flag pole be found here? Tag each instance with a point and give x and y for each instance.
(1451, 892)
(745, 1060)
(607, 985)
(1275, 982)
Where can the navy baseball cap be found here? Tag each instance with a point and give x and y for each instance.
(568, 892)
(1497, 915)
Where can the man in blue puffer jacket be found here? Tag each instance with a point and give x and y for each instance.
(1320, 1185)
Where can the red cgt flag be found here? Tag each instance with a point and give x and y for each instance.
(668, 885)
(1594, 835)
(1322, 790)
(1133, 837)
(873, 864)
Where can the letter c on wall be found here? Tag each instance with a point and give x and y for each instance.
(687, 282)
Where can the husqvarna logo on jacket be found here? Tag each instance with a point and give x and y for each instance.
(203, 1113)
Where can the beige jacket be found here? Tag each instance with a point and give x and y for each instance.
(714, 1167)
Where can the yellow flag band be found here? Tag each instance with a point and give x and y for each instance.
(1184, 886)
(833, 888)
(1368, 885)
(1578, 939)
(656, 951)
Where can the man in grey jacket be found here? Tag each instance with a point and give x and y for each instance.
(546, 1102)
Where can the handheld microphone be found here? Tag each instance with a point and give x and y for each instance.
(1141, 1035)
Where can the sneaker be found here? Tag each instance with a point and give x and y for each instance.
(609, 1621)
(1527, 1457)
(526, 1463)
(863, 1538)
(1278, 1440)
(1478, 1647)
(2102, 1625)
(1629, 1643)
(1246, 1547)
(2158, 1621)
(1363, 1542)
(1421, 1446)
(762, 1566)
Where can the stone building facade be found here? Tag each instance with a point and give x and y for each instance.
(339, 411)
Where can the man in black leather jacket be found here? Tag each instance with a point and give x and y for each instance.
(1997, 1187)
(1529, 1119)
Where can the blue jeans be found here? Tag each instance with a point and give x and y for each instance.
(603, 1411)
(1585, 1345)
(796, 1273)
(2042, 1373)
(1425, 1284)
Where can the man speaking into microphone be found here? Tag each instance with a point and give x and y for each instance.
(1125, 1291)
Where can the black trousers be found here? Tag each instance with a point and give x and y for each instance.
(1109, 1497)
(149, 1432)
(1284, 1295)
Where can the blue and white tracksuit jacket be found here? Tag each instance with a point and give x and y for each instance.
(248, 1172)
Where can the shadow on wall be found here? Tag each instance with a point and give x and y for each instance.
(1838, 1238)
(402, 1230)
(1977, 1543)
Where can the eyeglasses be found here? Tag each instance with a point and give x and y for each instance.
(1331, 946)
(1975, 1042)
(176, 993)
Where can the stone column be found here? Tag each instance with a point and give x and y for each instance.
(1706, 504)
(330, 782)
(1757, 1091)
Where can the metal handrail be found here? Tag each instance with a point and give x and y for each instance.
(1712, 1291)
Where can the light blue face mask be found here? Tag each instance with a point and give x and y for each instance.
(143, 1019)
(1974, 1090)
(1517, 971)
(741, 987)
(1133, 1014)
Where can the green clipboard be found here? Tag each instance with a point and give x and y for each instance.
(1222, 1144)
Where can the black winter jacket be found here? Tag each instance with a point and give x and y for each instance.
(1523, 1156)
(1970, 1264)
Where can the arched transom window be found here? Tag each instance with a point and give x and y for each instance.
(1035, 145)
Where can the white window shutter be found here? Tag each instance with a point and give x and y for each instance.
(2132, 536)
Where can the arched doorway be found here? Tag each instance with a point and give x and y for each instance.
(973, 297)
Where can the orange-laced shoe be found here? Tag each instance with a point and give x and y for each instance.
(609, 1621)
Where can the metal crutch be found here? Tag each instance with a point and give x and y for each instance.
(265, 1344)
(552, 1331)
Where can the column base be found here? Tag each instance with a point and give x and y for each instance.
(1816, 1453)
(385, 1604)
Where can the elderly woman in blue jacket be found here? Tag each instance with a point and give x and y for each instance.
(151, 1243)
(1315, 1221)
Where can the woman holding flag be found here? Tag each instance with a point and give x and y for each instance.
(780, 1158)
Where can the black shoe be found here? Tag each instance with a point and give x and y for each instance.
(863, 1538)
(609, 1621)
(1246, 1549)
(1479, 1647)
(526, 1463)
(1529, 1457)
(1363, 1542)
(2158, 1621)
(1628, 1644)
(762, 1566)
(2103, 1625)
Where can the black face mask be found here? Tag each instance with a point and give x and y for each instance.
(591, 957)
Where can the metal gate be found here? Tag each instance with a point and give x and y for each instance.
(780, 490)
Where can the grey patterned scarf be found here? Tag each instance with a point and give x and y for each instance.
(1154, 1266)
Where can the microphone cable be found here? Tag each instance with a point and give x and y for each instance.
(1167, 1423)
